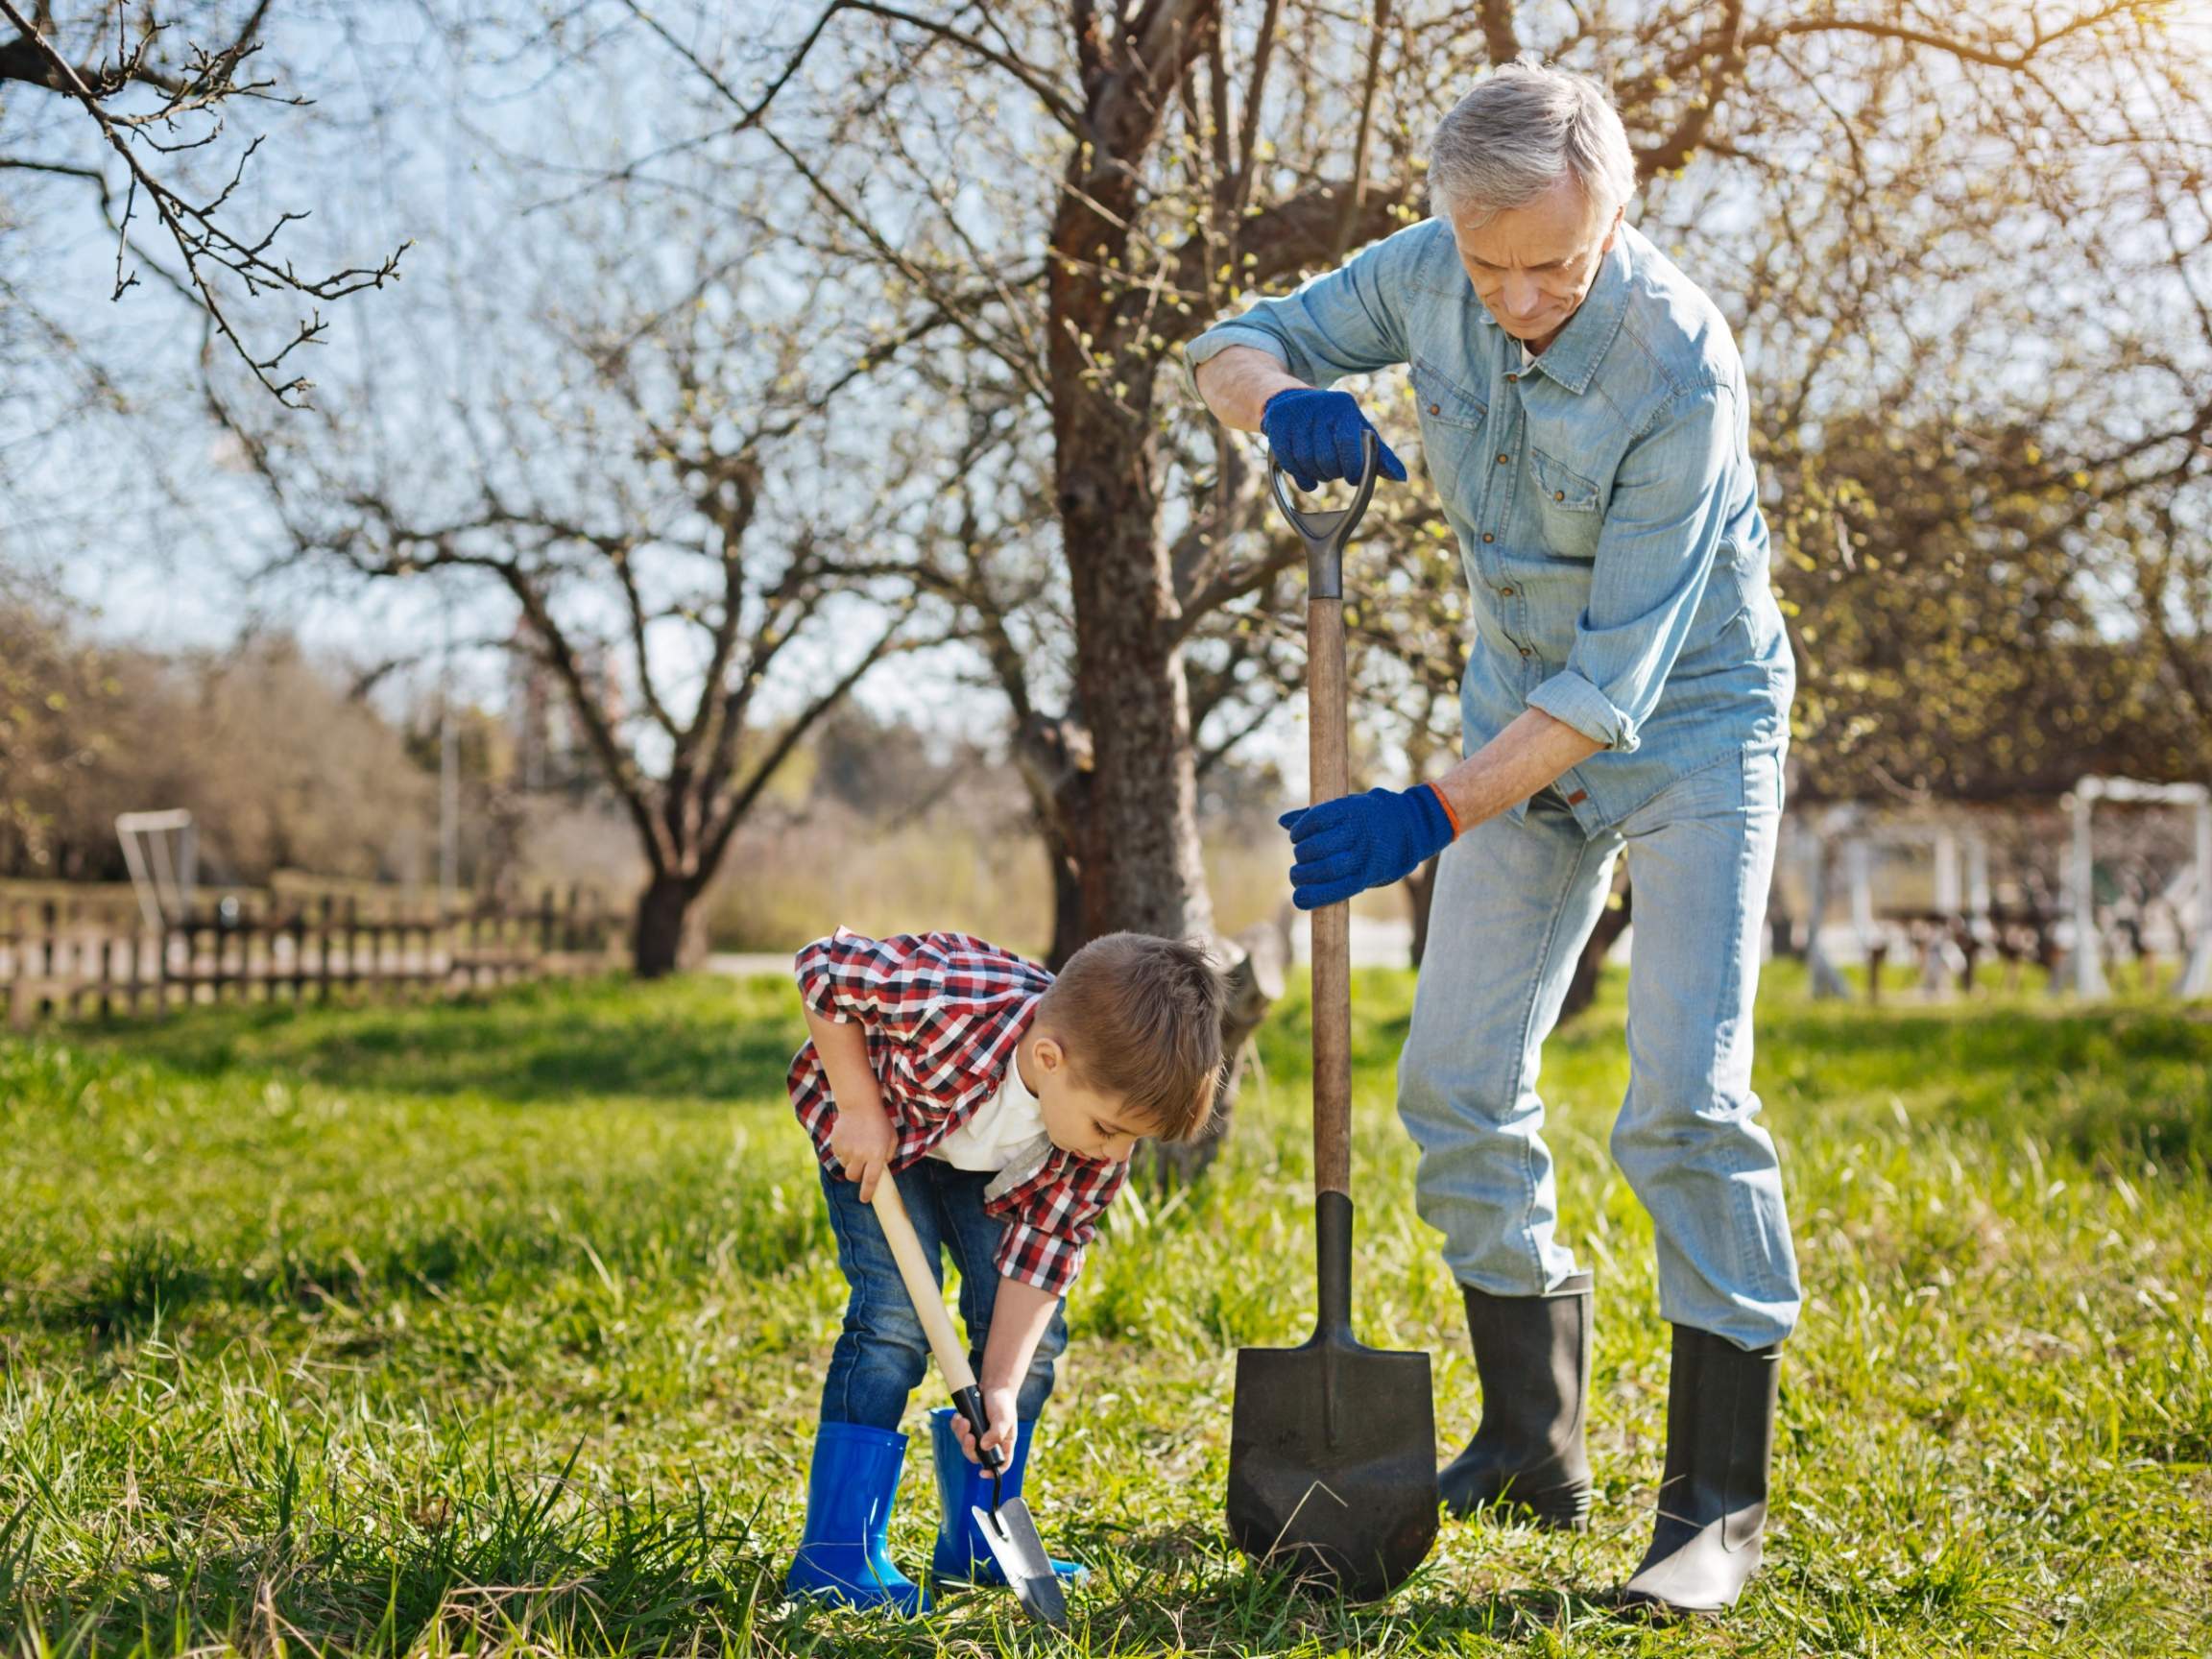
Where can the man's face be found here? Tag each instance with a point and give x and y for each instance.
(1532, 265)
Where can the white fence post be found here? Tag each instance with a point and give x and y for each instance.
(2083, 974)
(2197, 976)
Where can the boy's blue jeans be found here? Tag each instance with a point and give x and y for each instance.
(1513, 903)
(881, 1352)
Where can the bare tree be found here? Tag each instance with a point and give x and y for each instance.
(641, 485)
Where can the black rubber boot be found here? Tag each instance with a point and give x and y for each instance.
(1532, 1353)
(1713, 1496)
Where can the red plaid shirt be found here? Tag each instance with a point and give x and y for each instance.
(944, 1014)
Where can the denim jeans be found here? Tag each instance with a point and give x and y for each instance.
(1515, 900)
(881, 1352)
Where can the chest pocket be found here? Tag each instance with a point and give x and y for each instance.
(1451, 423)
(1566, 507)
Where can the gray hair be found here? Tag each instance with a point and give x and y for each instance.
(1519, 133)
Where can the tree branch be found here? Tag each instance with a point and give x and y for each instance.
(1964, 50)
(1498, 36)
(1720, 55)
(739, 804)
(1350, 214)
(192, 227)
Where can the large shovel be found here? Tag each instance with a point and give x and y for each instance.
(1332, 1445)
(1007, 1528)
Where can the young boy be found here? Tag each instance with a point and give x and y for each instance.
(1005, 1103)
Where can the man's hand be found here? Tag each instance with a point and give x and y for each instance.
(1317, 435)
(1355, 842)
(998, 1425)
(863, 1139)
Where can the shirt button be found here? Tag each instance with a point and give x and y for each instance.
(1506, 591)
(1435, 408)
(1487, 536)
(1524, 649)
(1501, 460)
(1558, 494)
(1511, 377)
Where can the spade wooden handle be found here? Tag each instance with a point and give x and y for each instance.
(1326, 536)
(921, 1285)
(1325, 700)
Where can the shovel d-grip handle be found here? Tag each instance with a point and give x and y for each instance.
(936, 1324)
(1326, 536)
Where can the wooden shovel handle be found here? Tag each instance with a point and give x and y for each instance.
(921, 1285)
(1325, 535)
(1324, 698)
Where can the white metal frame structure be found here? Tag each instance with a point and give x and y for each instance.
(1850, 828)
(162, 878)
(2082, 972)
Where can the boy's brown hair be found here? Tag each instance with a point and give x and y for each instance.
(1141, 1018)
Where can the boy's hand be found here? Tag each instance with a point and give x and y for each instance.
(863, 1141)
(999, 1427)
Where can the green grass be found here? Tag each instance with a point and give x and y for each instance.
(499, 1325)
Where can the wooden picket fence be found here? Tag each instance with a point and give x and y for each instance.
(59, 962)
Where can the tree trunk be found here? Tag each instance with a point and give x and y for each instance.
(658, 941)
(1140, 867)
(1136, 839)
(1256, 963)
(1066, 903)
(1139, 862)
(1139, 842)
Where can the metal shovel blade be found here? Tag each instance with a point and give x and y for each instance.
(1020, 1555)
(1333, 1449)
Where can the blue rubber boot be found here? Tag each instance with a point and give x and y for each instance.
(962, 1555)
(844, 1554)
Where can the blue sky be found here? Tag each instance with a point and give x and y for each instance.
(404, 143)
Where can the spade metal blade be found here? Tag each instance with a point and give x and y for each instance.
(1332, 1464)
(1332, 1446)
(1020, 1555)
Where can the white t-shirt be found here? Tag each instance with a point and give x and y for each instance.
(1003, 1131)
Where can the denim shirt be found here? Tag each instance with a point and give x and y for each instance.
(1605, 499)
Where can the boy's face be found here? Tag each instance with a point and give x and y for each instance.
(1077, 1118)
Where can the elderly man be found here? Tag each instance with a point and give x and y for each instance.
(1584, 417)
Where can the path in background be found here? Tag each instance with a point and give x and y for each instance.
(747, 964)
(1376, 943)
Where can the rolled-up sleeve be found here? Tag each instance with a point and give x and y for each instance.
(892, 985)
(1051, 1220)
(1344, 321)
(1655, 552)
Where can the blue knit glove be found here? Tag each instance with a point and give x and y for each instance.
(1355, 842)
(1317, 435)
